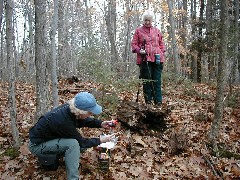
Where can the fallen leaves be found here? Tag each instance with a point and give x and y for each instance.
(24, 150)
(138, 140)
(135, 170)
(135, 156)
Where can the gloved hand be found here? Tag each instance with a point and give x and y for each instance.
(142, 51)
(106, 138)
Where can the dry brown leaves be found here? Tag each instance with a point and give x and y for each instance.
(135, 156)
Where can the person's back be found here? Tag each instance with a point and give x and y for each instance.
(49, 126)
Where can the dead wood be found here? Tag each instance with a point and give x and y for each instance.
(215, 171)
(141, 118)
(178, 142)
(69, 91)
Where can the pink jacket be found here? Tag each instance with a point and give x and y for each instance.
(154, 43)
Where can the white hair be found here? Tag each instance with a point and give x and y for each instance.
(74, 109)
(147, 15)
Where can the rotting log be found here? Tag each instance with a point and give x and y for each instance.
(70, 91)
(141, 118)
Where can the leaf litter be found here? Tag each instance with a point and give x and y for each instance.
(135, 156)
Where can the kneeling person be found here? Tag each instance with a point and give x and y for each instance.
(56, 131)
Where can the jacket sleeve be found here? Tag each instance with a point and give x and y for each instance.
(161, 42)
(90, 122)
(70, 131)
(135, 42)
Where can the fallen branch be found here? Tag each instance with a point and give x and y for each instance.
(73, 90)
(211, 165)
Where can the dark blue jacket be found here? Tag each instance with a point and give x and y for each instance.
(61, 123)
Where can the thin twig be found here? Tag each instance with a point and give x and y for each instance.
(210, 164)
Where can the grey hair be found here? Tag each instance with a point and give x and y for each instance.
(147, 14)
(74, 109)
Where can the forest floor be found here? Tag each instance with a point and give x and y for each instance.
(180, 152)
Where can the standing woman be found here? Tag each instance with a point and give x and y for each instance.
(148, 43)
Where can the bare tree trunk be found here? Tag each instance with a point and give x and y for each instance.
(15, 49)
(185, 30)
(26, 57)
(127, 43)
(1, 13)
(163, 17)
(173, 36)
(210, 31)
(24, 46)
(73, 59)
(200, 48)
(31, 65)
(40, 57)
(237, 46)
(11, 71)
(221, 76)
(1, 57)
(110, 18)
(53, 55)
(89, 39)
(64, 51)
(61, 35)
(193, 75)
(234, 71)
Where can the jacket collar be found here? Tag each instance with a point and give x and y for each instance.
(145, 27)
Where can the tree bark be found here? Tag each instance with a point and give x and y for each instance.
(184, 38)
(210, 44)
(1, 13)
(2, 57)
(127, 43)
(88, 27)
(40, 57)
(61, 41)
(221, 76)
(173, 36)
(31, 65)
(11, 71)
(193, 60)
(235, 72)
(110, 18)
(53, 56)
(200, 40)
(237, 46)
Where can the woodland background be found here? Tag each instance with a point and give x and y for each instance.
(50, 50)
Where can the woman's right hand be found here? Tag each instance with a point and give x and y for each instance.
(142, 51)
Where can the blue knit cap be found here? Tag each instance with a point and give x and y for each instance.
(87, 102)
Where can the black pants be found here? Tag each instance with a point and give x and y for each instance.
(151, 72)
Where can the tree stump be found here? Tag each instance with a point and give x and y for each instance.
(141, 118)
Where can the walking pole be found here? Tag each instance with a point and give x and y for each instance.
(140, 73)
(139, 84)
